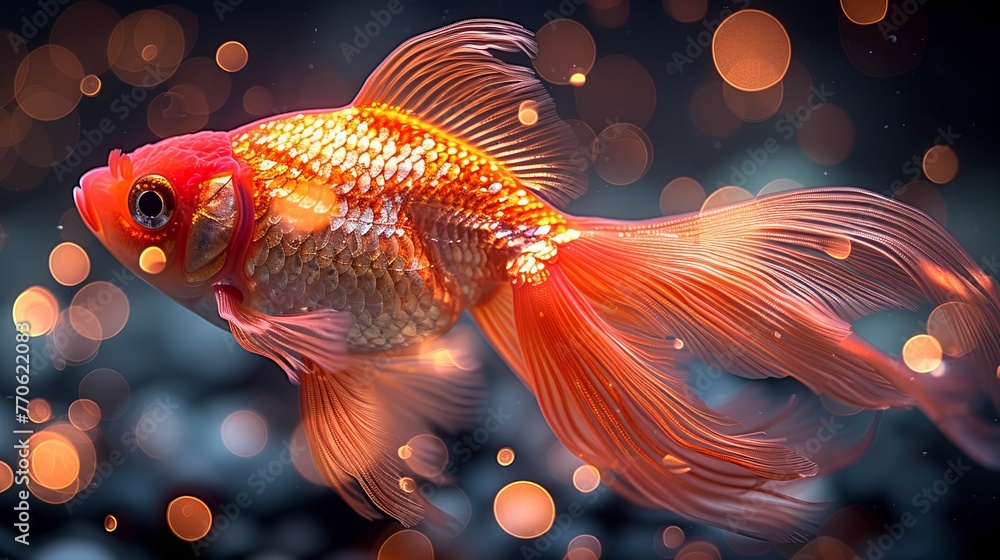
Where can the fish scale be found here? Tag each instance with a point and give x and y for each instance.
(344, 209)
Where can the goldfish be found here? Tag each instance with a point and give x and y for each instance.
(341, 243)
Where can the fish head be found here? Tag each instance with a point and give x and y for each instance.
(172, 212)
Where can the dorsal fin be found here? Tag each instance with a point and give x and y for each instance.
(449, 79)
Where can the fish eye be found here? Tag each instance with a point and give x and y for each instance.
(151, 201)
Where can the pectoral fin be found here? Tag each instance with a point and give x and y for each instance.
(319, 337)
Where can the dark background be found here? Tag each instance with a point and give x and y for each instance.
(165, 351)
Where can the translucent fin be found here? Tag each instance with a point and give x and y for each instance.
(495, 317)
(352, 443)
(449, 79)
(358, 409)
(288, 340)
(770, 286)
(800, 420)
(620, 412)
(357, 418)
(441, 386)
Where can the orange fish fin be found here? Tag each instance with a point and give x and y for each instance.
(357, 418)
(637, 419)
(352, 443)
(495, 317)
(438, 386)
(770, 287)
(288, 340)
(448, 78)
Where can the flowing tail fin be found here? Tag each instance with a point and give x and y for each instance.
(765, 288)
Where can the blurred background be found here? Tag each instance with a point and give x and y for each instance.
(158, 437)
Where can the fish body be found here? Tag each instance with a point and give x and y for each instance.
(341, 243)
(371, 211)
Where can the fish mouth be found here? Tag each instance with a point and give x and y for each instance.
(86, 210)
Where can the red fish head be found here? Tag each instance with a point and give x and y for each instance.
(172, 212)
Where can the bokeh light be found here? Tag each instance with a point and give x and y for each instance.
(673, 537)
(524, 509)
(109, 390)
(90, 85)
(505, 457)
(428, 455)
(258, 101)
(407, 484)
(953, 325)
(527, 113)
(85, 28)
(940, 164)
(406, 545)
(922, 353)
(753, 106)
(69, 264)
(54, 463)
(681, 195)
(47, 83)
(699, 550)
(205, 77)
(303, 462)
(565, 49)
(608, 13)
(108, 303)
(244, 433)
(825, 548)
(624, 154)
(686, 11)
(724, 197)
(61, 463)
(75, 338)
(586, 478)
(84, 414)
(39, 410)
(158, 431)
(6, 477)
(146, 47)
(584, 547)
(618, 90)
(180, 110)
(37, 307)
(924, 196)
(189, 518)
(231, 56)
(751, 50)
(827, 137)
(779, 186)
(152, 260)
(864, 12)
(709, 112)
